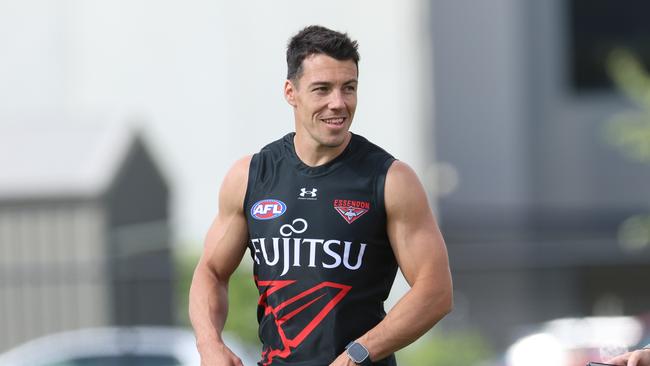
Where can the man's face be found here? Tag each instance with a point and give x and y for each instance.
(324, 99)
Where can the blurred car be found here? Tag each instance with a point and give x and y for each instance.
(575, 341)
(115, 346)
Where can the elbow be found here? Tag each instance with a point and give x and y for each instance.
(448, 300)
(442, 306)
(204, 270)
(435, 311)
(434, 299)
(445, 305)
(448, 305)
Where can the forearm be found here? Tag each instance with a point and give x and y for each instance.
(415, 314)
(208, 307)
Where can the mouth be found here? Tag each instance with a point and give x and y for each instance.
(334, 121)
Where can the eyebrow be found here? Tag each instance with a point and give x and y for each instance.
(327, 83)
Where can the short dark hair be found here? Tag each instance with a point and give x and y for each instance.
(316, 39)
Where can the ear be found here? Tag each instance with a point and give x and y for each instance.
(289, 92)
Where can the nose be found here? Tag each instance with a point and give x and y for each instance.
(337, 100)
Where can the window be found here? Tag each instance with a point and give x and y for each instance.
(596, 27)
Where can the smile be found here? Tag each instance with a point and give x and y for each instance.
(337, 121)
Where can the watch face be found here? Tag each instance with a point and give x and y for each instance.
(357, 352)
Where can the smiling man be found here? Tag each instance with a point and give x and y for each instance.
(327, 217)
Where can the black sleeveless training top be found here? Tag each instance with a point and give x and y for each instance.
(322, 260)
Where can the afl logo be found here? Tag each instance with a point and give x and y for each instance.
(268, 209)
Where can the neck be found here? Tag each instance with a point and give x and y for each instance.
(312, 154)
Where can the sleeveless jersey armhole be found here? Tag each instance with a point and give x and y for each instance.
(381, 183)
(253, 170)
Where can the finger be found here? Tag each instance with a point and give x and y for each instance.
(634, 359)
(620, 360)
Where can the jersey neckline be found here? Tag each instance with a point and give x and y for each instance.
(290, 151)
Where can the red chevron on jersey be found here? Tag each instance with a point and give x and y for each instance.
(351, 210)
(286, 314)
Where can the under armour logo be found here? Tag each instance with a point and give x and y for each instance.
(308, 195)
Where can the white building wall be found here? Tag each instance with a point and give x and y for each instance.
(480, 75)
(205, 77)
(53, 274)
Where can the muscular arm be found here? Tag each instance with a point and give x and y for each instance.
(422, 256)
(224, 248)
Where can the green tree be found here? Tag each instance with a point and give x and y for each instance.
(242, 296)
(449, 349)
(629, 131)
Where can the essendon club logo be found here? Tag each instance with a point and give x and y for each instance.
(351, 210)
(296, 317)
(268, 209)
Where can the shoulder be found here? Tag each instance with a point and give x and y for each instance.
(238, 172)
(240, 169)
(233, 188)
(401, 170)
(403, 187)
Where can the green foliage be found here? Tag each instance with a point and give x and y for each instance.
(630, 131)
(184, 262)
(450, 349)
(634, 233)
(242, 295)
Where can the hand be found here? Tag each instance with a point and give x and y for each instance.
(343, 360)
(219, 355)
(640, 357)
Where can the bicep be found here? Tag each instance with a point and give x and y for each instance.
(414, 234)
(225, 242)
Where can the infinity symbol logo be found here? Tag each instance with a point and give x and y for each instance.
(293, 229)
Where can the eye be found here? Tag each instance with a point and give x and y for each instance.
(350, 88)
(321, 90)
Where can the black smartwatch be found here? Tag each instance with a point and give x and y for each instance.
(358, 353)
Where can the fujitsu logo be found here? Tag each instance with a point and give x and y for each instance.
(324, 253)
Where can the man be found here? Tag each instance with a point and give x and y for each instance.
(327, 217)
(640, 357)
